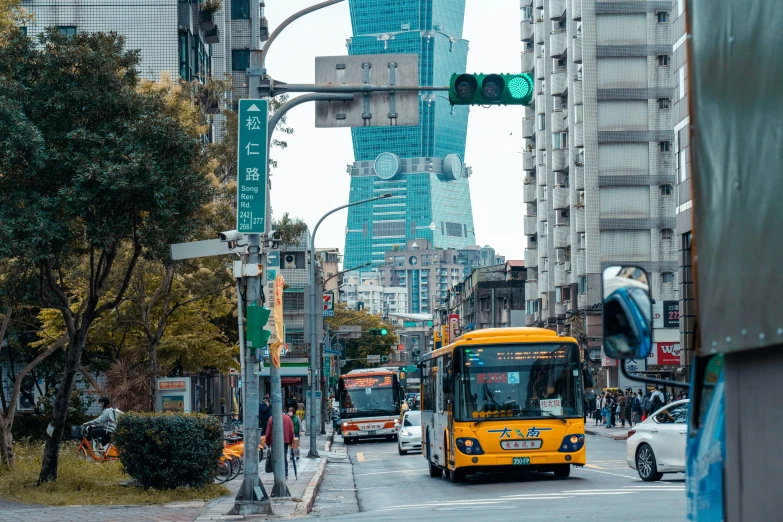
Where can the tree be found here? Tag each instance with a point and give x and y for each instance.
(291, 230)
(366, 344)
(93, 164)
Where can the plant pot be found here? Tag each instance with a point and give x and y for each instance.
(212, 36)
(206, 20)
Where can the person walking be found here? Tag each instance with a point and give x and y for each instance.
(609, 408)
(288, 437)
(637, 407)
(646, 406)
(264, 411)
(599, 406)
(589, 403)
(621, 409)
(297, 431)
(629, 407)
(657, 400)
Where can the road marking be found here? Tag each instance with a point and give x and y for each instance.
(385, 472)
(360, 456)
(607, 473)
(593, 466)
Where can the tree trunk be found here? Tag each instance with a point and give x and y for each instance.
(6, 443)
(73, 361)
(153, 373)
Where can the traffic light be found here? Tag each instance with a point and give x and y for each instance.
(257, 336)
(384, 358)
(378, 331)
(491, 89)
(416, 352)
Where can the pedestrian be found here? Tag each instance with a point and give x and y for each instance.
(264, 411)
(589, 403)
(609, 410)
(629, 406)
(621, 409)
(646, 406)
(657, 400)
(637, 407)
(288, 437)
(297, 431)
(600, 405)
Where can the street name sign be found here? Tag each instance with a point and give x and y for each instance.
(252, 166)
(349, 329)
(373, 358)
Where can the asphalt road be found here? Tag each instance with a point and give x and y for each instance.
(387, 486)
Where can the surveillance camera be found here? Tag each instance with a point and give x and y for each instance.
(273, 239)
(230, 235)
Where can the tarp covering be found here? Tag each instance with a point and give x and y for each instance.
(736, 75)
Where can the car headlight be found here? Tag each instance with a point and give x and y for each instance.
(405, 433)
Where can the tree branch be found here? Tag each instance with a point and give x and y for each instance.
(4, 326)
(57, 345)
(125, 282)
(65, 307)
(87, 375)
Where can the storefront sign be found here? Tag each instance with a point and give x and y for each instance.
(668, 354)
(671, 314)
(172, 385)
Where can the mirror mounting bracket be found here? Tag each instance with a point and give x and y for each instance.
(648, 380)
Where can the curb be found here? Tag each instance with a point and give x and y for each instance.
(607, 435)
(308, 498)
(329, 442)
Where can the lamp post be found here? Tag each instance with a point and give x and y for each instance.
(314, 360)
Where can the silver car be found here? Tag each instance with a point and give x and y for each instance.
(657, 445)
(409, 436)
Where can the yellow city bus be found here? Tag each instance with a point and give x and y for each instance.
(503, 399)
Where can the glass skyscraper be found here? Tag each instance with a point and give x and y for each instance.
(417, 164)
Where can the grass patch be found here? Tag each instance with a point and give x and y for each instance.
(84, 482)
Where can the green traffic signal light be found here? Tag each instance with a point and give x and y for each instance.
(257, 336)
(384, 331)
(491, 89)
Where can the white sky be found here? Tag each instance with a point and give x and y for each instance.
(311, 177)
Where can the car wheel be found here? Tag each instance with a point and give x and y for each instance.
(646, 464)
(401, 451)
(562, 470)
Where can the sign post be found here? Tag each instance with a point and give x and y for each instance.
(252, 165)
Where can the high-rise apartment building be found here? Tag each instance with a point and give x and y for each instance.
(420, 165)
(600, 151)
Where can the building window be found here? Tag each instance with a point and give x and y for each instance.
(484, 305)
(668, 277)
(240, 9)
(66, 30)
(664, 146)
(184, 57)
(666, 233)
(560, 140)
(663, 60)
(542, 121)
(582, 285)
(663, 17)
(664, 103)
(240, 60)
(527, 13)
(560, 64)
(666, 190)
(579, 113)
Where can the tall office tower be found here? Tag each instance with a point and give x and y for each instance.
(599, 159)
(420, 165)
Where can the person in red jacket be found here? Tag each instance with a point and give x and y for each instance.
(288, 437)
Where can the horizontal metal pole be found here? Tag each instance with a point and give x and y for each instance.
(354, 88)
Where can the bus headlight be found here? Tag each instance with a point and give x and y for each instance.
(572, 443)
(469, 446)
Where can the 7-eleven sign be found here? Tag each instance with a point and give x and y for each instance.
(328, 305)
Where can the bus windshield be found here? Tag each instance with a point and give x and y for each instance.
(367, 395)
(519, 381)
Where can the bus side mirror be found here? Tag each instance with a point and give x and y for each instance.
(627, 312)
(588, 379)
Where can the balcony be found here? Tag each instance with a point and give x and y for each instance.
(558, 122)
(576, 49)
(556, 9)
(541, 141)
(531, 290)
(530, 225)
(528, 60)
(540, 103)
(579, 134)
(525, 3)
(526, 30)
(581, 263)
(562, 237)
(578, 98)
(559, 159)
(560, 309)
(529, 193)
(580, 219)
(529, 127)
(540, 68)
(560, 197)
(539, 32)
(528, 158)
(543, 282)
(557, 43)
(531, 258)
(541, 229)
(579, 176)
(560, 275)
(538, 4)
(559, 82)
(541, 171)
(576, 9)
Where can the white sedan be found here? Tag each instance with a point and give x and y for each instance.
(657, 445)
(409, 436)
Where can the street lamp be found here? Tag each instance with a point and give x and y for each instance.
(313, 339)
(368, 263)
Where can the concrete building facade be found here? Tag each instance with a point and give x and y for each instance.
(599, 158)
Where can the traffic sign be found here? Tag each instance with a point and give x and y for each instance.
(328, 305)
(349, 329)
(373, 358)
(252, 166)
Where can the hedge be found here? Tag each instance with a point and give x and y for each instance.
(165, 451)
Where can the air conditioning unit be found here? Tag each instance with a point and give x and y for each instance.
(289, 261)
(28, 398)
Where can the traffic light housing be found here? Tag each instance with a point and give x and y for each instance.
(257, 335)
(378, 331)
(491, 89)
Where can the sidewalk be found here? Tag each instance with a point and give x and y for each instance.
(616, 433)
(303, 487)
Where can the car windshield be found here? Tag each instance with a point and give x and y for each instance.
(412, 419)
(519, 381)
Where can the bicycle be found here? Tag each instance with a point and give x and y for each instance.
(91, 449)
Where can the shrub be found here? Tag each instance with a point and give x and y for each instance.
(167, 451)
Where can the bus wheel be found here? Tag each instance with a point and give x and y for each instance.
(457, 475)
(435, 471)
(562, 470)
